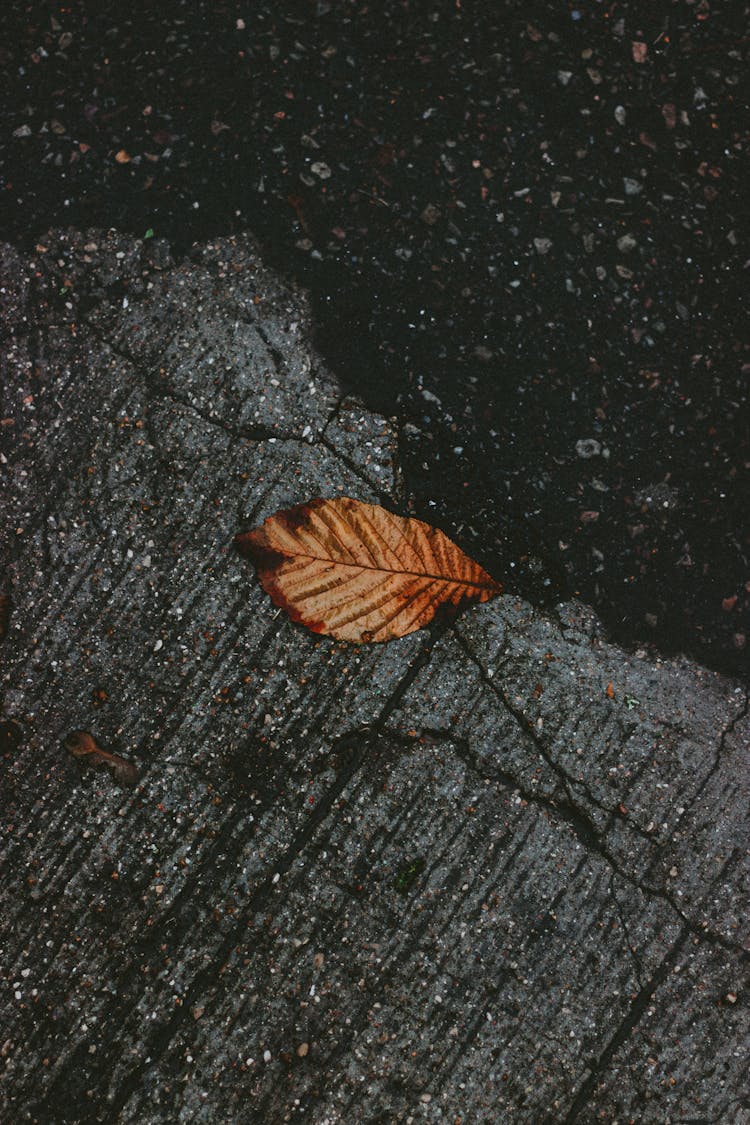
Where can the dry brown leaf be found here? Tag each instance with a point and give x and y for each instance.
(359, 573)
(83, 745)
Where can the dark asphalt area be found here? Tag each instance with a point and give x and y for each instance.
(523, 226)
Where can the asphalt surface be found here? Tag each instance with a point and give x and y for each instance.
(523, 227)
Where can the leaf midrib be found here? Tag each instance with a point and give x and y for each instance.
(385, 570)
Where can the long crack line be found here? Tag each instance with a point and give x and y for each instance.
(590, 837)
(628, 1025)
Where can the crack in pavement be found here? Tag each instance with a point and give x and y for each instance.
(383, 495)
(156, 393)
(625, 1029)
(726, 732)
(528, 728)
(631, 947)
(588, 833)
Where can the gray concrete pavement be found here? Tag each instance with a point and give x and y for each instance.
(495, 871)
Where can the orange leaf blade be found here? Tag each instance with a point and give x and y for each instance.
(358, 572)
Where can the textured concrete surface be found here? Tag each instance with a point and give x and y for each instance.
(492, 872)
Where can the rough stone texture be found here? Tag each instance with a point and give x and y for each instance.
(493, 872)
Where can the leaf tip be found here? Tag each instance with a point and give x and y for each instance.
(243, 542)
(253, 545)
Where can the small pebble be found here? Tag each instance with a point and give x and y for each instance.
(588, 447)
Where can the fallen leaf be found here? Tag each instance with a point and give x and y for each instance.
(123, 156)
(83, 745)
(640, 51)
(297, 202)
(359, 573)
(610, 690)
